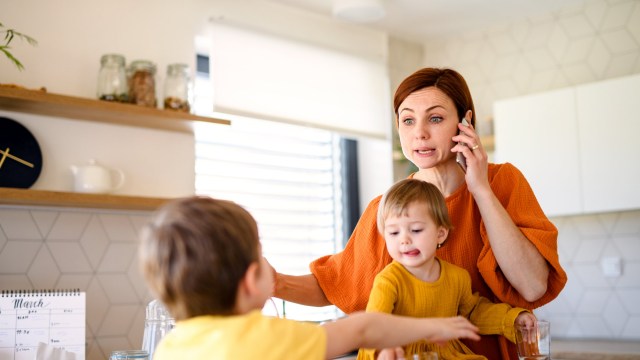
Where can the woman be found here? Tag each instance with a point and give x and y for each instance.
(500, 236)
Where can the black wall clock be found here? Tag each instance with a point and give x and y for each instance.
(20, 155)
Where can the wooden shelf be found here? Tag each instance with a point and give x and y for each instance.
(43, 103)
(12, 196)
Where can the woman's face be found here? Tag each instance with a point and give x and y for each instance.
(427, 120)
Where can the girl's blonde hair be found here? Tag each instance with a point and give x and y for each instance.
(409, 191)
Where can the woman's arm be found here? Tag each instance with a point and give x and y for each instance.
(302, 289)
(521, 263)
(378, 330)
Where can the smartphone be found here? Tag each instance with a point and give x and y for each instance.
(460, 159)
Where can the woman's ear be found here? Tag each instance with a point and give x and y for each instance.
(469, 116)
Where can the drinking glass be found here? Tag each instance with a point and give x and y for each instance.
(158, 323)
(533, 342)
(129, 355)
(427, 355)
(270, 308)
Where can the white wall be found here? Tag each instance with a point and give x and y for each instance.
(72, 35)
(374, 168)
(163, 166)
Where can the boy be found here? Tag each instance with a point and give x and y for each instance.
(202, 258)
(414, 221)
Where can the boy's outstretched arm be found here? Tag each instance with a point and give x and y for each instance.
(379, 330)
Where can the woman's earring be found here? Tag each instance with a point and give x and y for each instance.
(439, 246)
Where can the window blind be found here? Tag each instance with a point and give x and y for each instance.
(291, 81)
(288, 178)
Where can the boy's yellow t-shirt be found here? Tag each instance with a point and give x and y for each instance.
(248, 336)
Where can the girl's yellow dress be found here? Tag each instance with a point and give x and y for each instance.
(397, 291)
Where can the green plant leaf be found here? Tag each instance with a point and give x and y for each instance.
(9, 35)
(12, 58)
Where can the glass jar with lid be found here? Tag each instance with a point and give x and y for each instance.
(142, 83)
(112, 78)
(177, 88)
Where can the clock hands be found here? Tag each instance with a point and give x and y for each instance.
(5, 154)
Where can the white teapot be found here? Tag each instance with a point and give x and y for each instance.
(93, 178)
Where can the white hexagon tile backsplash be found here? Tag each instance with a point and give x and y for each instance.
(594, 304)
(95, 251)
(92, 250)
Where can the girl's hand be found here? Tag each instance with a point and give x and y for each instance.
(526, 319)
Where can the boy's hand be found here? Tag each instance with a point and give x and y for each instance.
(390, 354)
(453, 328)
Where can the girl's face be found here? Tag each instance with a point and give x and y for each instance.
(427, 120)
(412, 238)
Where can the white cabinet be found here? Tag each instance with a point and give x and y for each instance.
(574, 145)
(537, 134)
(609, 117)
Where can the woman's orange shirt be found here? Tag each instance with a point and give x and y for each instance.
(347, 277)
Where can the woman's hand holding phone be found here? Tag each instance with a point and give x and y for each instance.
(460, 159)
(475, 163)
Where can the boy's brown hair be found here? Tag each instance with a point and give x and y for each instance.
(195, 252)
(408, 191)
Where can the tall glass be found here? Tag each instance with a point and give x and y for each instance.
(270, 308)
(158, 323)
(534, 342)
(129, 355)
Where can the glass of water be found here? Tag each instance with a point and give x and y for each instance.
(534, 342)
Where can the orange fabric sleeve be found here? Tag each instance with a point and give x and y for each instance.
(346, 278)
(517, 197)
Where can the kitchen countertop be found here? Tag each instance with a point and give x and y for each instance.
(593, 356)
(568, 349)
(562, 355)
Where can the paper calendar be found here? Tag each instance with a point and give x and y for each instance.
(52, 317)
